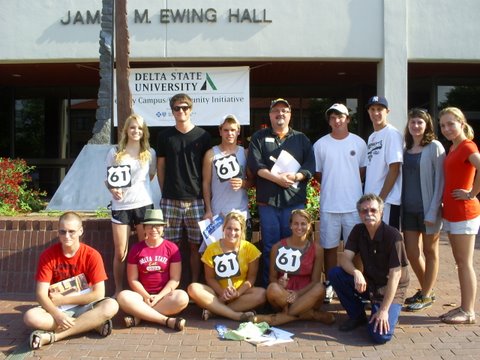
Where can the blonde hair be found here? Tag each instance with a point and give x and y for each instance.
(235, 215)
(460, 117)
(144, 154)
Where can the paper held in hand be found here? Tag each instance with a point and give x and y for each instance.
(286, 163)
(76, 285)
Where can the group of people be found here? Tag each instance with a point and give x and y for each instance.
(361, 203)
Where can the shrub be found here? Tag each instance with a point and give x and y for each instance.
(15, 194)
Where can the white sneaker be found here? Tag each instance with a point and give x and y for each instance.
(329, 294)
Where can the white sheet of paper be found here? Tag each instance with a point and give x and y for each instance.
(286, 163)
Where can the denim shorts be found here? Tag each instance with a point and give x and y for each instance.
(467, 227)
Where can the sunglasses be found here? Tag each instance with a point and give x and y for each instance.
(178, 108)
(69, 232)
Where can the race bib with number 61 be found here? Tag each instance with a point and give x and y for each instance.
(119, 176)
(288, 260)
(227, 167)
(226, 265)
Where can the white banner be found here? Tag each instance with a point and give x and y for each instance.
(215, 92)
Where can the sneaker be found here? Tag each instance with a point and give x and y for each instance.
(329, 293)
(418, 296)
(421, 303)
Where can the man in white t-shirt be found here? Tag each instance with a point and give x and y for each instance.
(340, 167)
(384, 160)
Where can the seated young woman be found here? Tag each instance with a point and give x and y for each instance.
(154, 269)
(295, 290)
(231, 266)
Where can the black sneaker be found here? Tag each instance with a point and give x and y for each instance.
(417, 297)
(352, 324)
(422, 302)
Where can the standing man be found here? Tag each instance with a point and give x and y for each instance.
(225, 180)
(283, 190)
(180, 152)
(385, 278)
(341, 184)
(61, 316)
(384, 160)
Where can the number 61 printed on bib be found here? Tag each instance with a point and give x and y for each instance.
(119, 176)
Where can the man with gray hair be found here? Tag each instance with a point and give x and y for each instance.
(385, 277)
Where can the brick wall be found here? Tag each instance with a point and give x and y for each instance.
(22, 241)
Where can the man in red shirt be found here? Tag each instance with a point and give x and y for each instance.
(62, 315)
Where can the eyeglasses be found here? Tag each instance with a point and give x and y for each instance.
(366, 211)
(280, 111)
(178, 108)
(69, 232)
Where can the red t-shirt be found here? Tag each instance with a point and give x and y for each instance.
(54, 266)
(459, 174)
(153, 264)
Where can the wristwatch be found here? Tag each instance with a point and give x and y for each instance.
(470, 196)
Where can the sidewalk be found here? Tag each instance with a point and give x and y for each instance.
(418, 336)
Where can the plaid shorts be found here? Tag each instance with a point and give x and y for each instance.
(182, 214)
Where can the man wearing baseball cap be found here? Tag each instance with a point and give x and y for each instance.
(384, 160)
(341, 185)
(278, 193)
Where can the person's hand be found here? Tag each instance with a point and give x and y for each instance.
(291, 297)
(208, 215)
(117, 193)
(236, 183)
(229, 294)
(380, 322)
(283, 281)
(359, 280)
(428, 223)
(286, 180)
(63, 321)
(461, 194)
(56, 298)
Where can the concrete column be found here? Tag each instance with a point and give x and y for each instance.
(392, 71)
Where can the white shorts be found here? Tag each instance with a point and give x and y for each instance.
(467, 227)
(336, 226)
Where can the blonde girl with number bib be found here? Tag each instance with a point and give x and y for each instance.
(131, 166)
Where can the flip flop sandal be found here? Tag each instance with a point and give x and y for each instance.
(448, 313)
(36, 339)
(459, 317)
(106, 328)
(179, 324)
(248, 316)
(129, 321)
(206, 314)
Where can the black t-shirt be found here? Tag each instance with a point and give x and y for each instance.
(183, 155)
(386, 251)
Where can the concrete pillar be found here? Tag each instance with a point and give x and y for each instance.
(392, 71)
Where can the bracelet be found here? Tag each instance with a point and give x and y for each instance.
(470, 195)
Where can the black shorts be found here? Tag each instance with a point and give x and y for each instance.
(130, 217)
(413, 222)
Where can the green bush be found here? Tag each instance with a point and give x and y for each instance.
(16, 196)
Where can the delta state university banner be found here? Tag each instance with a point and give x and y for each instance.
(215, 92)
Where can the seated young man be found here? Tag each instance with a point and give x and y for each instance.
(60, 316)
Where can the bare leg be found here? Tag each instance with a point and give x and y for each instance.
(140, 232)
(195, 262)
(413, 246)
(120, 239)
(431, 251)
(330, 259)
(132, 303)
(205, 297)
(462, 248)
(38, 318)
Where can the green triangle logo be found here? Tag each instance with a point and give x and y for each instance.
(208, 81)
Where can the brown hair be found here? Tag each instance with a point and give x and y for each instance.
(428, 135)
(303, 213)
(180, 97)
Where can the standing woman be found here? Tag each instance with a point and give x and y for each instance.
(296, 296)
(130, 167)
(231, 266)
(422, 192)
(461, 209)
(154, 269)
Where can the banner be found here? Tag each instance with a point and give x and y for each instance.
(215, 92)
